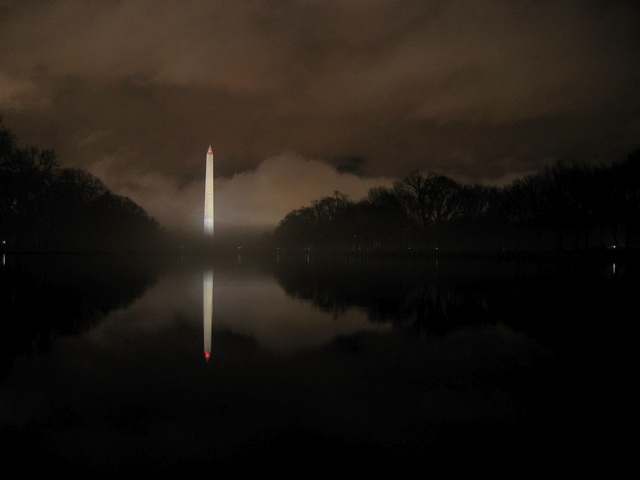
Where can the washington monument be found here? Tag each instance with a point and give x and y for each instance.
(208, 195)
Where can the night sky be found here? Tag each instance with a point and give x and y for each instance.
(300, 98)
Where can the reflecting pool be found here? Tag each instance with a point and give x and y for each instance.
(128, 364)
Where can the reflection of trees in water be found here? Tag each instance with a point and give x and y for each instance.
(547, 300)
(431, 307)
(410, 293)
(46, 295)
(337, 285)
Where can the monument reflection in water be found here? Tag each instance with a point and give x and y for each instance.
(207, 310)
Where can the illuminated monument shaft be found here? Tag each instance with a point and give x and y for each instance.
(208, 195)
(207, 280)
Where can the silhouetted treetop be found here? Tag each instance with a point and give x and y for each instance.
(46, 207)
(564, 207)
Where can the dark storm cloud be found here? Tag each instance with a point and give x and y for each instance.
(479, 90)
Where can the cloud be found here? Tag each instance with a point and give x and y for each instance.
(480, 91)
(256, 198)
(281, 184)
(18, 93)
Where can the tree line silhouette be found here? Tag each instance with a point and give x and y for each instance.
(46, 207)
(566, 207)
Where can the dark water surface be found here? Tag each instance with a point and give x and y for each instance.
(315, 365)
